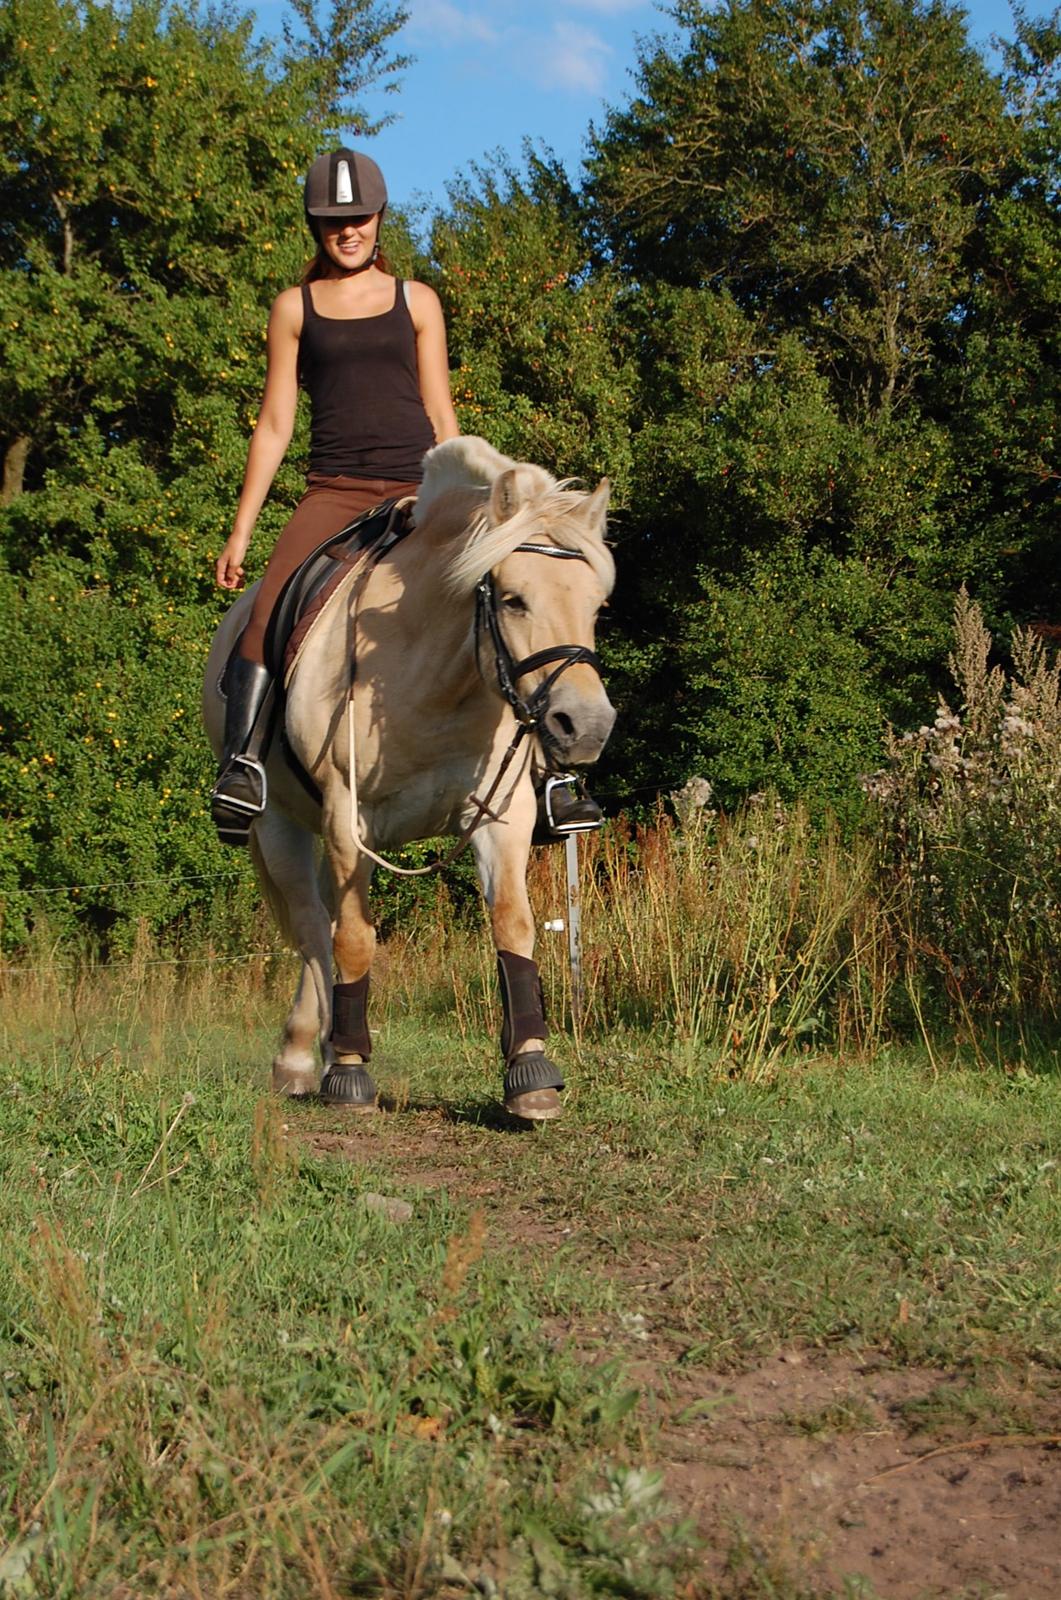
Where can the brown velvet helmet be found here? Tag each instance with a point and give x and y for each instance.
(343, 183)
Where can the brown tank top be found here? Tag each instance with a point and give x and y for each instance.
(367, 419)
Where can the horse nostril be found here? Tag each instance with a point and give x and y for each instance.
(563, 725)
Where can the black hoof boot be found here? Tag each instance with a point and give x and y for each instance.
(532, 1085)
(351, 1087)
(565, 806)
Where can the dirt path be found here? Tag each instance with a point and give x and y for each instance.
(808, 1454)
(804, 1468)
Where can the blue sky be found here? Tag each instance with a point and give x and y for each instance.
(489, 73)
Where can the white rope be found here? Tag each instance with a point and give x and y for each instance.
(355, 820)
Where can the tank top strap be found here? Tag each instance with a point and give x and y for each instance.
(307, 304)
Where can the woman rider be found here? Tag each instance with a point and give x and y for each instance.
(370, 351)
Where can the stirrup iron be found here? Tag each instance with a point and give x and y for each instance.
(240, 795)
(583, 815)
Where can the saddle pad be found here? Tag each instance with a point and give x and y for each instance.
(310, 585)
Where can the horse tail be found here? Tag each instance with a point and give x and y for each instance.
(278, 902)
(274, 898)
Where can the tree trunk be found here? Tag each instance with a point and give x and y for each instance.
(68, 233)
(15, 457)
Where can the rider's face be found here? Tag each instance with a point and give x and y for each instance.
(349, 241)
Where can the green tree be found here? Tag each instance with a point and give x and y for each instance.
(540, 363)
(148, 166)
(836, 226)
(825, 160)
(150, 157)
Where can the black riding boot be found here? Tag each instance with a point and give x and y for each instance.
(565, 806)
(240, 791)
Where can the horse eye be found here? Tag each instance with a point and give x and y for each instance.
(513, 602)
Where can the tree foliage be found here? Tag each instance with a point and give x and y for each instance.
(836, 224)
(150, 157)
(801, 307)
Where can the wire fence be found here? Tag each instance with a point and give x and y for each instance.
(129, 883)
(71, 968)
(108, 885)
(136, 963)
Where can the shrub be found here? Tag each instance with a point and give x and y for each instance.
(970, 808)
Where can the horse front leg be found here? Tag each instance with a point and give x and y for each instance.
(348, 1081)
(532, 1082)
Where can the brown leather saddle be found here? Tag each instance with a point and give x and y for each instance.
(309, 587)
(300, 602)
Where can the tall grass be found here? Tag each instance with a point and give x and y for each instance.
(738, 942)
(741, 939)
(734, 944)
(970, 812)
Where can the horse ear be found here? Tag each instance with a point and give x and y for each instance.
(593, 511)
(512, 489)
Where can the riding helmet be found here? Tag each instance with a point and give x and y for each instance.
(344, 183)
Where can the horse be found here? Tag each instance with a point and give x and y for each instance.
(457, 665)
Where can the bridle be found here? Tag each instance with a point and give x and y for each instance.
(529, 713)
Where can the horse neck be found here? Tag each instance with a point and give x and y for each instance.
(444, 647)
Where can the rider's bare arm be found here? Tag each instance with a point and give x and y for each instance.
(272, 434)
(432, 360)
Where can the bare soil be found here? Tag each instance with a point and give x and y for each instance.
(806, 1467)
(917, 1515)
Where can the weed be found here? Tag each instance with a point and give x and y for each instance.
(843, 1414)
(971, 813)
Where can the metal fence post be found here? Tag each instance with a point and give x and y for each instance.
(574, 928)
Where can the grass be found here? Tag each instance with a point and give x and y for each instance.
(223, 1374)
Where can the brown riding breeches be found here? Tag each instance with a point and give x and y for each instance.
(326, 507)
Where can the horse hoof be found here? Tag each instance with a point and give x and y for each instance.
(531, 1085)
(295, 1082)
(536, 1105)
(349, 1087)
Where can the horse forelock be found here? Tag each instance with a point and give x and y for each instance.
(550, 516)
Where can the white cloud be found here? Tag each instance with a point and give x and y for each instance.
(439, 20)
(574, 57)
(607, 8)
(560, 54)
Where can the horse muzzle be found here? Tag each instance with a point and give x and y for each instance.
(577, 722)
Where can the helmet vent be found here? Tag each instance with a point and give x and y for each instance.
(344, 189)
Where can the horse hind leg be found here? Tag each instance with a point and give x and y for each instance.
(285, 860)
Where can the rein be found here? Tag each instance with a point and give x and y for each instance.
(528, 713)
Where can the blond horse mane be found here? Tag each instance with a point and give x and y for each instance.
(529, 504)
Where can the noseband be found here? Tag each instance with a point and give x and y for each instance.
(529, 713)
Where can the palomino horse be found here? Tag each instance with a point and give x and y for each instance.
(476, 629)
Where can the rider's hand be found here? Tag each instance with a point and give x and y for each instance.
(230, 562)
